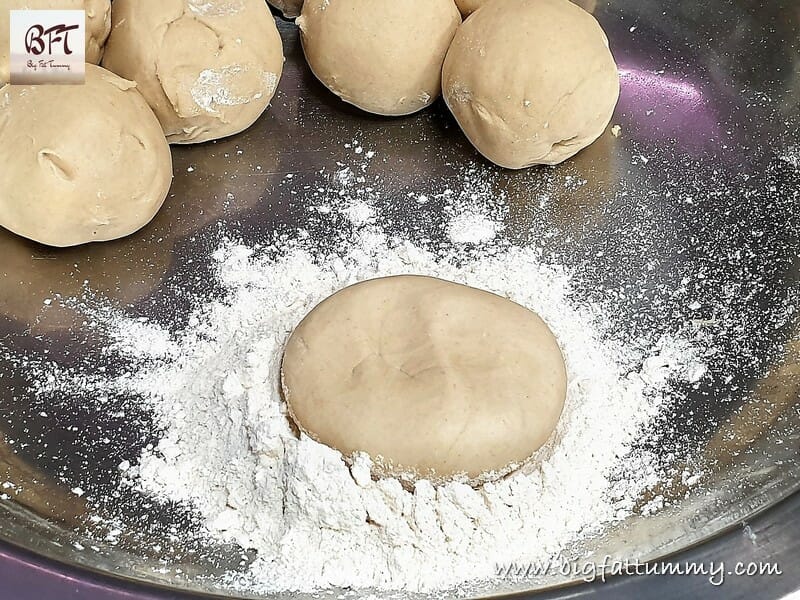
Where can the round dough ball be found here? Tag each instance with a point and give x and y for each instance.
(467, 7)
(430, 378)
(82, 163)
(383, 56)
(208, 69)
(531, 82)
(98, 25)
(289, 8)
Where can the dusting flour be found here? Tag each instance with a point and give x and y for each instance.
(229, 452)
(472, 228)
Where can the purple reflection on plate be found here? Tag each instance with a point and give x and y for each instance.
(665, 106)
(25, 577)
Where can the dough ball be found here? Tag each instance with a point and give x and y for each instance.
(467, 7)
(531, 82)
(98, 25)
(208, 68)
(289, 8)
(81, 163)
(430, 378)
(383, 56)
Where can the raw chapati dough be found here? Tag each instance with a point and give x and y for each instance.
(208, 69)
(383, 56)
(289, 8)
(430, 378)
(98, 25)
(531, 82)
(81, 163)
(467, 7)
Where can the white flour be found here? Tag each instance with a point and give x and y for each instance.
(472, 228)
(229, 451)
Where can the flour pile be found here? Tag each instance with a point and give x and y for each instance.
(229, 451)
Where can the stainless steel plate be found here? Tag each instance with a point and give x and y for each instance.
(691, 215)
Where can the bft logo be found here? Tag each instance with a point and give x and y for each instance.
(48, 47)
(38, 39)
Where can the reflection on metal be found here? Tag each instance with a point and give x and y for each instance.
(35, 490)
(700, 83)
(774, 404)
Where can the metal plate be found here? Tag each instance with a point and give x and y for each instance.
(697, 201)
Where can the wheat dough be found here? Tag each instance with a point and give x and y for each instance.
(208, 69)
(531, 82)
(383, 56)
(289, 8)
(98, 25)
(467, 7)
(81, 163)
(430, 378)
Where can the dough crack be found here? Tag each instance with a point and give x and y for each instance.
(49, 159)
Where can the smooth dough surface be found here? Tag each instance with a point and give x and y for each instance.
(531, 82)
(430, 378)
(81, 163)
(467, 7)
(98, 25)
(383, 56)
(208, 69)
(289, 8)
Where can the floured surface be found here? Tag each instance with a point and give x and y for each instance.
(668, 232)
(228, 449)
(304, 521)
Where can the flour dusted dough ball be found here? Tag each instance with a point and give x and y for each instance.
(430, 378)
(467, 7)
(531, 82)
(81, 163)
(208, 68)
(289, 8)
(98, 25)
(383, 56)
